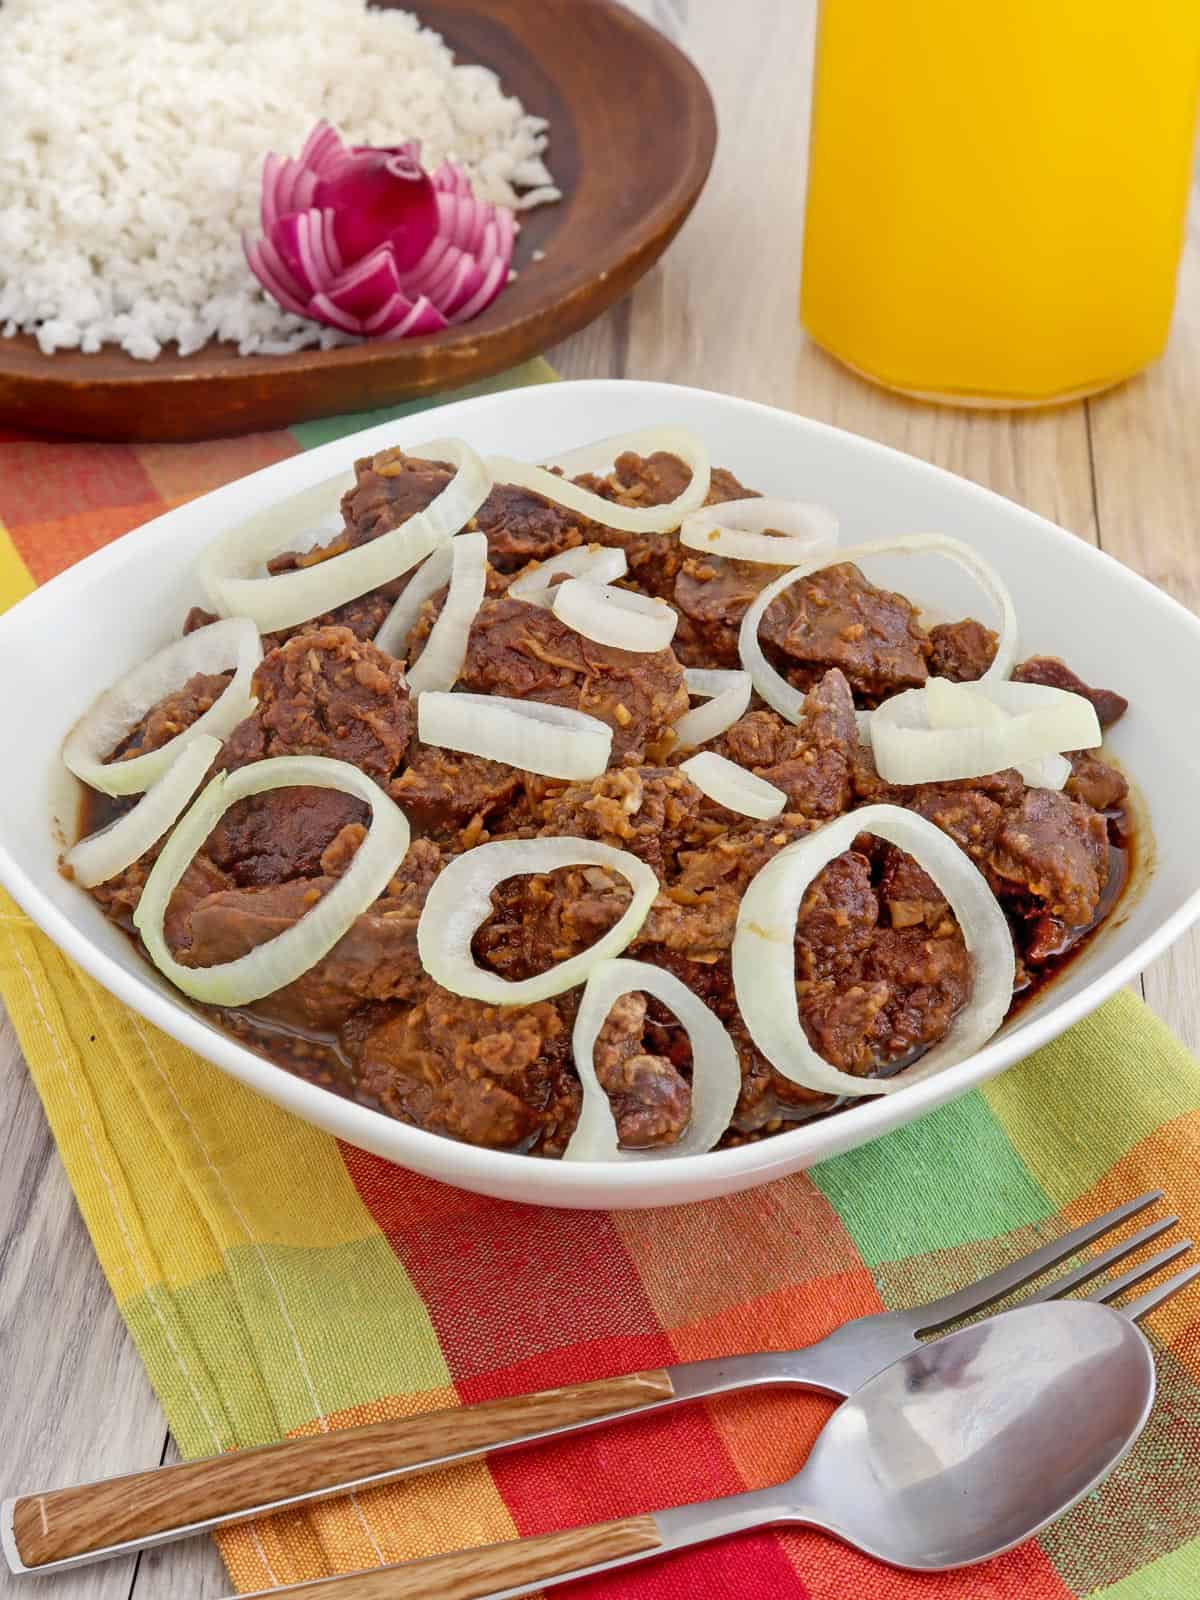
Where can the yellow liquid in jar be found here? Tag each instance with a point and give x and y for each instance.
(997, 190)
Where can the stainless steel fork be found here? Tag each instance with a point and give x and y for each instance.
(92, 1522)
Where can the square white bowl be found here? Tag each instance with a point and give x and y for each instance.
(82, 630)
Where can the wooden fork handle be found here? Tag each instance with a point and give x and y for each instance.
(170, 1502)
(471, 1574)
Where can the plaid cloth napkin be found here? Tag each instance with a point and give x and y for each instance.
(278, 1283)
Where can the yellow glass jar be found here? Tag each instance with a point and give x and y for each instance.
(997, 191)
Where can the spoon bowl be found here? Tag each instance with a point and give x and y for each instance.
(979, 1439)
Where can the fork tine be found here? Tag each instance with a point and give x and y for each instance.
(928, 1318)
(1097, 1264)
(1144, 1269)
(1155, 1297)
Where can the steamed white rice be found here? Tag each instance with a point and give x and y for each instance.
(132, 136)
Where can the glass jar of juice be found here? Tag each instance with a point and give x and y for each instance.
(997, 191)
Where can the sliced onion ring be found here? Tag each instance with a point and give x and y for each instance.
(600, 563)
(615, 617)
(1051, 772)
(433, 574)
(599, 457)
(737, 530)
(1078, 720)
(553, 741)
(290, 954)
(764, 958)
(948, 731)
(441, 661)
(102, 855)
(733, 787)
(460, 901)
(233, 642)
(775, 689)
(728, 695)
(287, 598)
(716, 1075)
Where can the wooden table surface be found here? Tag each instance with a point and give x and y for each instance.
(1122, 471)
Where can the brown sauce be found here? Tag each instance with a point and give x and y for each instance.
(318, 1059)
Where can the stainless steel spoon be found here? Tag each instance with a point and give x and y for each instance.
(955, 1453)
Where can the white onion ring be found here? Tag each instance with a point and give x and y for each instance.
(102, 855)
(737, 530)
(764, 961)
(728, 695)
(615, 617)
(600, 563)
(553, 741)
(460, 901)
(1051, 772)
(948, 731)
(716, 1075)
(779, 693)
(433, 574)
(287, 598)
(601, 455)
(441, 661)
(233, 642)
(290, 954)
(733, 787)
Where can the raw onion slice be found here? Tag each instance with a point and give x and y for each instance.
(616, 617)
(599, 563)
(102, 855)
(947, 731)
(216, 648)
(599, 457)
(433, 574)
(733, 787)
(553, 741)
(728, 695)
(290, 954)
(764, 956)
(461, 900)
(737, 529)
(716, 1075)
(775, 689)
(445, 650)
(1051, 772)
(284, 599)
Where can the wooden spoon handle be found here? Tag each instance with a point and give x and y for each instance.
(471, 1574)
(171, 1502)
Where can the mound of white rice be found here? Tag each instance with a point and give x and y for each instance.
(132, 136)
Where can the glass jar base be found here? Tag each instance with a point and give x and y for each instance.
(983, 402)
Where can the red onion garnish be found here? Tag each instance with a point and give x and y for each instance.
(365, 240)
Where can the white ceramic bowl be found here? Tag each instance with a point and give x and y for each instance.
(78, 633)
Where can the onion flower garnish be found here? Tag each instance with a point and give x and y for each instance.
(363, 239)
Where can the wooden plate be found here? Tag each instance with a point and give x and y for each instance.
(632, 132)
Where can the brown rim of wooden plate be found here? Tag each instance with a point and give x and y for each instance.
(633, 132)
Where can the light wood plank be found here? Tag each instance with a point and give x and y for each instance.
(191, 1569)
(75, 1402)
(1147, 452)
